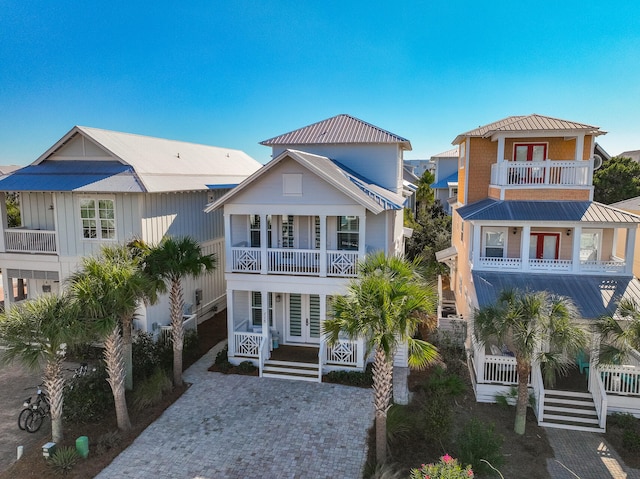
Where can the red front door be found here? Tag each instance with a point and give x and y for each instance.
(544, 245)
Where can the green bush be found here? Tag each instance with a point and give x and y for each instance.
(64, 460)
(149, 392)
(191, 346)
(352, 378)
(477, 441)
(631, 440)
(447, 468)
(246, 367)
(441, 381)
(222, 356)
(437, 418)
(145, 354)
(399, 423)
(622, 420)
(88, 398)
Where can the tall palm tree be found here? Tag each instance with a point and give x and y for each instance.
(38, 333)
(171, 261)
(382, 306)
(619, 336)
(109, 288)
(525, 321)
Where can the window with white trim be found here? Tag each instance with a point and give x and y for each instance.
(348, 233)
(254, 230)
(98, 218)
(494, 242)
(256, 308)
(590, 244)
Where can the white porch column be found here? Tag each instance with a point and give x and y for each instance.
(227, 244)
(477, 244)
(264, 294)
(500, 158)
(231, 343)
(575, 255)
(323, 344)
(629, 249)
(264, 241)
(8, 289)
(579, 147)
(4, 222)
(362, 224)
(323, 246)
(525, 244)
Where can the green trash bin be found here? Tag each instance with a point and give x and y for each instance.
(82, 446)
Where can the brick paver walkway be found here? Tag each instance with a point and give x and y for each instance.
(230, 426)
(585, 455)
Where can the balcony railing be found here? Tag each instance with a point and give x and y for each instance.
(613, 266)
(294, 262)
(549, 173)
(20, 240)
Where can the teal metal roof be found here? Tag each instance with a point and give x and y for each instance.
(444, 183)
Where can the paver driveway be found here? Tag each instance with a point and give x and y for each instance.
(229, 426)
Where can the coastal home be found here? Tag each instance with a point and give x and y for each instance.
(295, 231)
(525, 218)
(445, 186)
(97, 187)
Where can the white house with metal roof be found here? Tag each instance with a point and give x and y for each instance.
(295, 231)
(525, 218)
(96, 187)
(445, 186)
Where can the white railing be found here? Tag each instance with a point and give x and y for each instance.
(486, 262)
(245, 260)
(189, 323)
(342, 263)
(620, 379)
(599, 393)
(294, 261)
(263, 353)
(344, 352)
(549, 173)
(477, 358)
(500, 369)
(30, 241)
(550, 265)
(247, 344)
(612, 266)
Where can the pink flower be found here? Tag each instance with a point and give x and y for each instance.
(446, 458)
(470, 473)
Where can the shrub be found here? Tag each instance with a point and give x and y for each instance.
(352, 378)
(107, 441)
(191, 346)
(246, 367)
(150, 391)
(145, 356)
(441, 381)
(478, 441)
(64, 459)
(437, 418)
(222, 356)
(399, 423)
(631, 440)
(88, 398)
(447, 468)
(622, 420)
(511, 397)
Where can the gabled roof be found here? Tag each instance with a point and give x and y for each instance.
(373, 197)
(338, 130)
(529, 123)
(594, 296)
(446, 182)
(552, 211)
(452, 153)
(128, 162)
(631, 204)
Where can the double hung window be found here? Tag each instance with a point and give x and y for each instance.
(98, 218)
(348, 233)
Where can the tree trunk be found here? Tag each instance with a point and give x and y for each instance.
(382, 391)
(54, 387)
(114, 359)
(127, 324)
(176, 299)
(524, 369)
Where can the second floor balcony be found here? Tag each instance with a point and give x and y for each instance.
(23, 240)
(545, 174)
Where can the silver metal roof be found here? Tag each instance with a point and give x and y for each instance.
(594, 296)
(528, 123)
(452, 153)
(340, 129)
(568, 211)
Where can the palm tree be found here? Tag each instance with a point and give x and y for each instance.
(619, 337)
(383, 306)
(171, 261)
(524, 321)
(109, 288)
(38, 333)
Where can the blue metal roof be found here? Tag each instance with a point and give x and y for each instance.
(444, 183)
(570, 211)
(98, 176)
(594, 296)
(222, 187)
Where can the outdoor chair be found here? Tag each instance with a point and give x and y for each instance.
(583, 362)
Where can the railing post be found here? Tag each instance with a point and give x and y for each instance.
(479, 356)
(231, 335)
(323, 246)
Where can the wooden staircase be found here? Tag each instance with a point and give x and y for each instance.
(291, 370)
(570, 410)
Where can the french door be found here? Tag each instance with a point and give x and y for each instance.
(304, 319)
(544, 245)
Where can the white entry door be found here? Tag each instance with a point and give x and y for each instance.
(304, 318)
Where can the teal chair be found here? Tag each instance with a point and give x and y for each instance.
(582, 360)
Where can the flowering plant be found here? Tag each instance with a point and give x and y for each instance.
(447, 468)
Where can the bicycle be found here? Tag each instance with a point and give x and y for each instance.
(32, 416)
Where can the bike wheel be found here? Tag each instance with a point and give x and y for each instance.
(33, 421)
(22, 418)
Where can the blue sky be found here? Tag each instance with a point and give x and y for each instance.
(233, 73)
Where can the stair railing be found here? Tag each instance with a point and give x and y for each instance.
(538, 390)
(597, 390)
(263, 353)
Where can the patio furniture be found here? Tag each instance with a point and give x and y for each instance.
(583, 362)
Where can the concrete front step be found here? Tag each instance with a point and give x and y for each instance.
(570, 410)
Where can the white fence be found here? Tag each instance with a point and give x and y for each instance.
(622, 379)
(189, 323)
